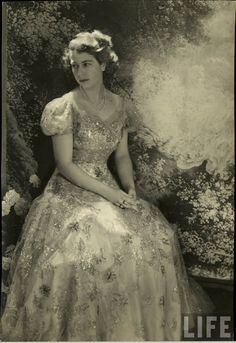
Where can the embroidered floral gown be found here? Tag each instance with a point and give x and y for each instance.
(87, 270)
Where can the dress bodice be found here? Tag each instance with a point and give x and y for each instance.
(94, 139)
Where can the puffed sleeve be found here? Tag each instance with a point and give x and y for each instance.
(57, 117)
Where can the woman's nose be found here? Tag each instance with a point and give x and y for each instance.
(81, 75)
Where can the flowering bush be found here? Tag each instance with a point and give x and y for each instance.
(9, 200)
(19, 181)
(13, 199)
(14, 209)
(199, 204)
(208, 231)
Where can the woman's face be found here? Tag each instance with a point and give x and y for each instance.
(88, 72)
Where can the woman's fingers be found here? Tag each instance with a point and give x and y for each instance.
(130, 200)
(124, 205)
(126, 201)
(119, 205)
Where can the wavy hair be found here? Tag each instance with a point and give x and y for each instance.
(95, 43)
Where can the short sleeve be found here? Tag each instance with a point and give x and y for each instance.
(57, 117)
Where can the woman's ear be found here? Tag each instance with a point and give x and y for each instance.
(103, 66)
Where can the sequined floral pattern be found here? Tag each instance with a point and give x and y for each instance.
(87, 270)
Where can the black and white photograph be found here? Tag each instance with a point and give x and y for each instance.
(117, 170)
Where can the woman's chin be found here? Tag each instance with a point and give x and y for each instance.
(85, 84)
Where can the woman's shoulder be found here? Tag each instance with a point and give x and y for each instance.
(115, 96)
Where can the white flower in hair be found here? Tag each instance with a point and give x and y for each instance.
(114, 56)
(84, 38)
(98, 35)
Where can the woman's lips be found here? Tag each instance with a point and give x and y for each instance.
(84, 80)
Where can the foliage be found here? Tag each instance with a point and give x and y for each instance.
(200, 204)
(211, 201)
(20, 161)
(37, 35)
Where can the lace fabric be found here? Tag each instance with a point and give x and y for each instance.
(87, 270)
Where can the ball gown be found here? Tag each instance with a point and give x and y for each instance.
(85, 269)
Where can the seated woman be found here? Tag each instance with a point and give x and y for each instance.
(94, 263)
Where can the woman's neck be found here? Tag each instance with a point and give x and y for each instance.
(94, 96)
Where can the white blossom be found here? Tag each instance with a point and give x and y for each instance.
(5, 208)
(34, 180)
(11, 197)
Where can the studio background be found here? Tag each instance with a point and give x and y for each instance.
(176, 65)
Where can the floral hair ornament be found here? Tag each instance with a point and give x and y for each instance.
(104, 41)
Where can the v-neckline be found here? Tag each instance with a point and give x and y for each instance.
(105, 122)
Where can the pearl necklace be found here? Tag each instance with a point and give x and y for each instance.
(101, 103)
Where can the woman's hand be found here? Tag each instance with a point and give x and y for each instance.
(120, 198)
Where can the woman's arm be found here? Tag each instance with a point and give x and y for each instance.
(63, 150)
(124, 164)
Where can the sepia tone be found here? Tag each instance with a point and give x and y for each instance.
(176, 73)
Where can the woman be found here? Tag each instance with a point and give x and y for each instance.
(94, 262)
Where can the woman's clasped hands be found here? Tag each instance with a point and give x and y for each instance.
(122, 199)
